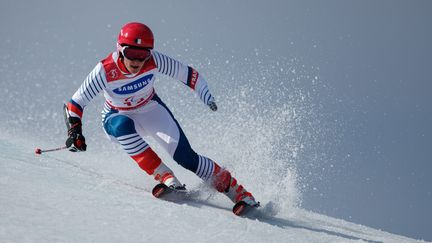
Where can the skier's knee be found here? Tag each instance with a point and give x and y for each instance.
(119, 126)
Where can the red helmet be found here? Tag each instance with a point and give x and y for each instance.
(136, 34)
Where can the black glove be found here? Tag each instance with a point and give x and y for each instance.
(212, 105)
(75, 141)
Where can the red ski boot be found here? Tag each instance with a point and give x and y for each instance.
(225, 183)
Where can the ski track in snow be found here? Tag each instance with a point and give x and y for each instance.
(51, 198)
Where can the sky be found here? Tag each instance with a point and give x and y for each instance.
(361, 67)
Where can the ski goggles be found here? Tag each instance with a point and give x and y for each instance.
(138, 54)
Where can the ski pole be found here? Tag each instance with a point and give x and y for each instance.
(40, 151)
(66, 116)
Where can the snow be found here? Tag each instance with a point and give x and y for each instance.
(54, 198)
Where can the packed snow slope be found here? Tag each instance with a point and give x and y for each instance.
(312, 101)
(62, 197)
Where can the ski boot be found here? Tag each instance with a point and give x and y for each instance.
(228, 185)
(168, 182)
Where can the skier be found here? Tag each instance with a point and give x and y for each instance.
(133, 110)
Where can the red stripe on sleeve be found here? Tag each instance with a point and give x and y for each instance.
(74, 109)
(193, 78)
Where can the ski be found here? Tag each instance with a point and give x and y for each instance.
(178, 194)
(242, 208)
(66, 116)
(163, 191)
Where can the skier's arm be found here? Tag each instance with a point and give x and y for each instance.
(92, 85)
(187, 75)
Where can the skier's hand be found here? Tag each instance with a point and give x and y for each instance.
(75, 141)
(212, 105)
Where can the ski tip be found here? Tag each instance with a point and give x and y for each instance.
(38, 151)
(241, 208)
(158, 190)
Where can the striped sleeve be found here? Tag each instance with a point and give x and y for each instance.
(185, 74)
(94, 83)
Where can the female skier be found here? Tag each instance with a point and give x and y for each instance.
(133, 110)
